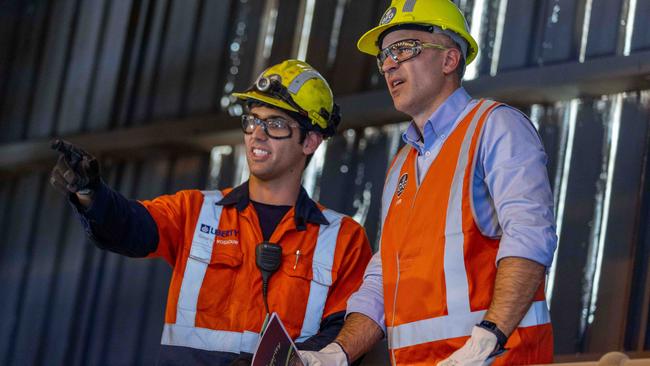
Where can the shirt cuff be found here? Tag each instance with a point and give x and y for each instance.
(366, 305)
(542, 254)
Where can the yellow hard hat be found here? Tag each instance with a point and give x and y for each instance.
(295, 86)
(440, 13)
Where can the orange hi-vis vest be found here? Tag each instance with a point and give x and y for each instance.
(215, 295)
(438, 268)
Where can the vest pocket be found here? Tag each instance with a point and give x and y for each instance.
(306, 269)
(220, 278)
(307, 286)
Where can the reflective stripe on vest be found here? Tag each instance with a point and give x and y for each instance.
(452, 326)
(185, 333)
(199, 259)
(460, 318)
(209, 339)
(322, 263)
(455, 272)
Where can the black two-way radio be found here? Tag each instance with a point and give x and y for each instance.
(268, 257)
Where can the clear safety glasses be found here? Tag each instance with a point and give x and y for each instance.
(274, 127)
(404, 50)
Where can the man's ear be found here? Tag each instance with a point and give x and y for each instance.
(451, 61)
(311, 143)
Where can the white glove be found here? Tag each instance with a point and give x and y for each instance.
(476, 350)
(331, 355)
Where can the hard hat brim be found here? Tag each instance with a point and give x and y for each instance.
(255, 95)
(368, 41)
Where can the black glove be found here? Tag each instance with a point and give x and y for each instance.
(76, 171)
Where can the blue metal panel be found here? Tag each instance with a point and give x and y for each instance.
(81, 59)
(358, 17)
(559, 32)
(550, 130)
(174, 57)
(619, 246)
(112, 49)
(575, 237)
(14, 266)
(641, 36)
(517, 34)
(209, 56)
(339, 172)
(373, 163)
(154, 18)
(48, 85)
(604, 27)
(35, 313)
(25, 54)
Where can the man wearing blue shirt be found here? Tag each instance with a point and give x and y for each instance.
(467, 213)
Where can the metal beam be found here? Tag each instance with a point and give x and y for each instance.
(548, 84)
(545, 84)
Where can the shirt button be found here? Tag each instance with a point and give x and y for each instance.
(427, 153)
(443, 136)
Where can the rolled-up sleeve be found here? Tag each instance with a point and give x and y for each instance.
(369, 299)
(513, 167)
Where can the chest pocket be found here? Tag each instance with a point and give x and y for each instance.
(307, 285)
(220, 277)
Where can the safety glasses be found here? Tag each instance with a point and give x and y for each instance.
(274, 127)
(404, 50)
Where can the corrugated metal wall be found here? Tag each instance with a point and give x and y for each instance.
(77, 68)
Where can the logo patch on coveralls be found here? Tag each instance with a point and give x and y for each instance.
(216, 232)
(388, 16)
(206, 228)
(221, 235)
(401, 184)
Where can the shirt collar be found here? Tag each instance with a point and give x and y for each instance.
(440, 123)
(306, 209)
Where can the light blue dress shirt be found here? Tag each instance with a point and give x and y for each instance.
(510, 182)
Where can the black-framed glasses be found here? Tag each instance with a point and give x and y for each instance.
(404, 50)
(274, 127)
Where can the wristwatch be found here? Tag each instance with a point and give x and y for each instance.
(501, 338)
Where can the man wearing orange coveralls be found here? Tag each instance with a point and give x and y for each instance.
(467, 215)
(215, 307)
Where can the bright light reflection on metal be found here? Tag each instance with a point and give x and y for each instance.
(629, 27)
(536, 113)
(475, 30)
(363, 205)
(216, 162)
(498, 38)
(241, 166)
(270, 33)
(336, 30)
(561, 181)
(313, 172)
(585, 31)
(614, 132)
(306, 30)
